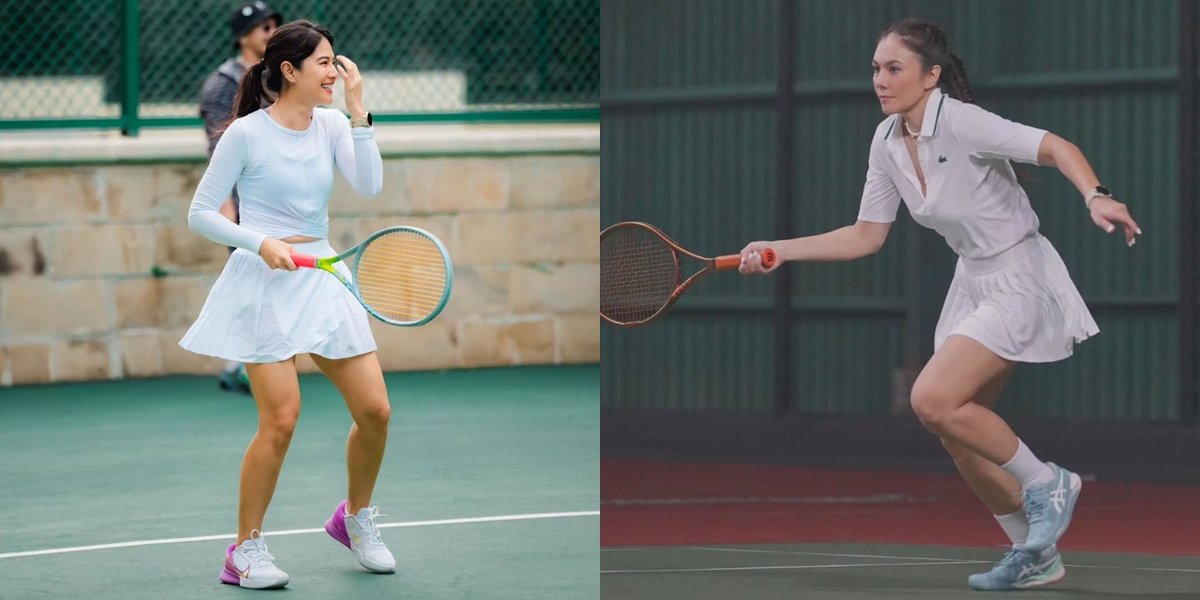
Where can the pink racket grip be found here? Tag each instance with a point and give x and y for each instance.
(305, 260)
(767, 256)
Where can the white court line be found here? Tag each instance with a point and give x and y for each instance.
(934, 561)
(756, 551)
(781, 567)
(1133, 568)
(232, 536)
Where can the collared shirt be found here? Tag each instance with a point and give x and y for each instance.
(972, 195)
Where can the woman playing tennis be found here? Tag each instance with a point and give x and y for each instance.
(1011, 299)
(280, 150)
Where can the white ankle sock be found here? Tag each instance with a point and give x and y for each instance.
(1015, 526)
(1027, 468)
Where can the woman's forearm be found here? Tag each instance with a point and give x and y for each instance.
(846, 243)
(1070, 161)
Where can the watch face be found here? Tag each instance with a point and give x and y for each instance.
(370, 120)
(1103, 190)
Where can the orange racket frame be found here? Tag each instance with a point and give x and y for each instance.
(708, 265)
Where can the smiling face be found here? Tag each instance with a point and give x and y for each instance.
(900, 80)
(311, 82)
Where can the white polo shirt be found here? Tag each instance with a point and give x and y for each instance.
(973, 198)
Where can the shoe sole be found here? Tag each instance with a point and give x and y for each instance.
(1054, 578)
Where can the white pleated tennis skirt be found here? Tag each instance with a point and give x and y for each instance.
(255, 314)
(1020, 304)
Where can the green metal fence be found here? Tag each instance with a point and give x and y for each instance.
(140, 63)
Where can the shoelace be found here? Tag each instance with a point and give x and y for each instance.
(371, 531)
(257, 551)
(1011, 558)
(1035, 503)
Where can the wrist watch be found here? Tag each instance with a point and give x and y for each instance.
(363, 121)
(1097, 192)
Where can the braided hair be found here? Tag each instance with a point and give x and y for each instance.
(927, 41)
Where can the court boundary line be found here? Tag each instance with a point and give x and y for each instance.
(233, 536)
(793, 567)
(930, 561)
(799, 553)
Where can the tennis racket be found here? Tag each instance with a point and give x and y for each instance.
(640, 273)
(402, 275)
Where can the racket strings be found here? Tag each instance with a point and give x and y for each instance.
(638, 274)
(402, 276)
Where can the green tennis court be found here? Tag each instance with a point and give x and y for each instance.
(128, 489)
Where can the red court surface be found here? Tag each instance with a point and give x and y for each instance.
(650, 502)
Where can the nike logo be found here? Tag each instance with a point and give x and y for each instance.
(233, 567)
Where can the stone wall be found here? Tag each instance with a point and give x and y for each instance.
(100, 276)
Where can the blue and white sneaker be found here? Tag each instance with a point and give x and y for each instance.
(1049, 507)
(1021, 569)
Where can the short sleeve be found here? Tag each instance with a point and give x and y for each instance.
(880, 198)
(992, 136)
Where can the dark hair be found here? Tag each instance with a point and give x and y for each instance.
(927, 41)
(263, 82)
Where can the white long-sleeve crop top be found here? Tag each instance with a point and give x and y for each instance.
(283, 177)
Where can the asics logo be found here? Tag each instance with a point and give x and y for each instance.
(1058, 496)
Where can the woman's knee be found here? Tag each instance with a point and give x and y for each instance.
(932, 406)
(375, 415)
(278, 425)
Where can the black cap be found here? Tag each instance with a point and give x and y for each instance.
(249, 16)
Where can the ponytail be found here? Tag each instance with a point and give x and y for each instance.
(250, 91)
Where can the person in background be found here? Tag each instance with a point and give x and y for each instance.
(251, 25)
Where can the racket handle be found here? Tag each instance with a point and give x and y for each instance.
(733, 261)
(304, 260)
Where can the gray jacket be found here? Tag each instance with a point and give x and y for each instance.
(216, 99)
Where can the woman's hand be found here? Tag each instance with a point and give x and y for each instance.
(752, 258)
(352, 85)
(277, 254)
(1107, 213)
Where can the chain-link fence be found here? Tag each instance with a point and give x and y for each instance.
(137, 63)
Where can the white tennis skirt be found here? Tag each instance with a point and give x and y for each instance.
(255, 314)
(1020, 304)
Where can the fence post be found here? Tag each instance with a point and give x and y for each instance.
(784, 164)
(130, 67)
(1188, 339)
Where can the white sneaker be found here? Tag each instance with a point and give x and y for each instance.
(361, 536)
(251, 565)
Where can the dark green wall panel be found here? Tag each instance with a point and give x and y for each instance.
(689, 143)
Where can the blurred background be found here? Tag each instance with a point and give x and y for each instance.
(486, 116)
(88, 63)
(726, 122)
